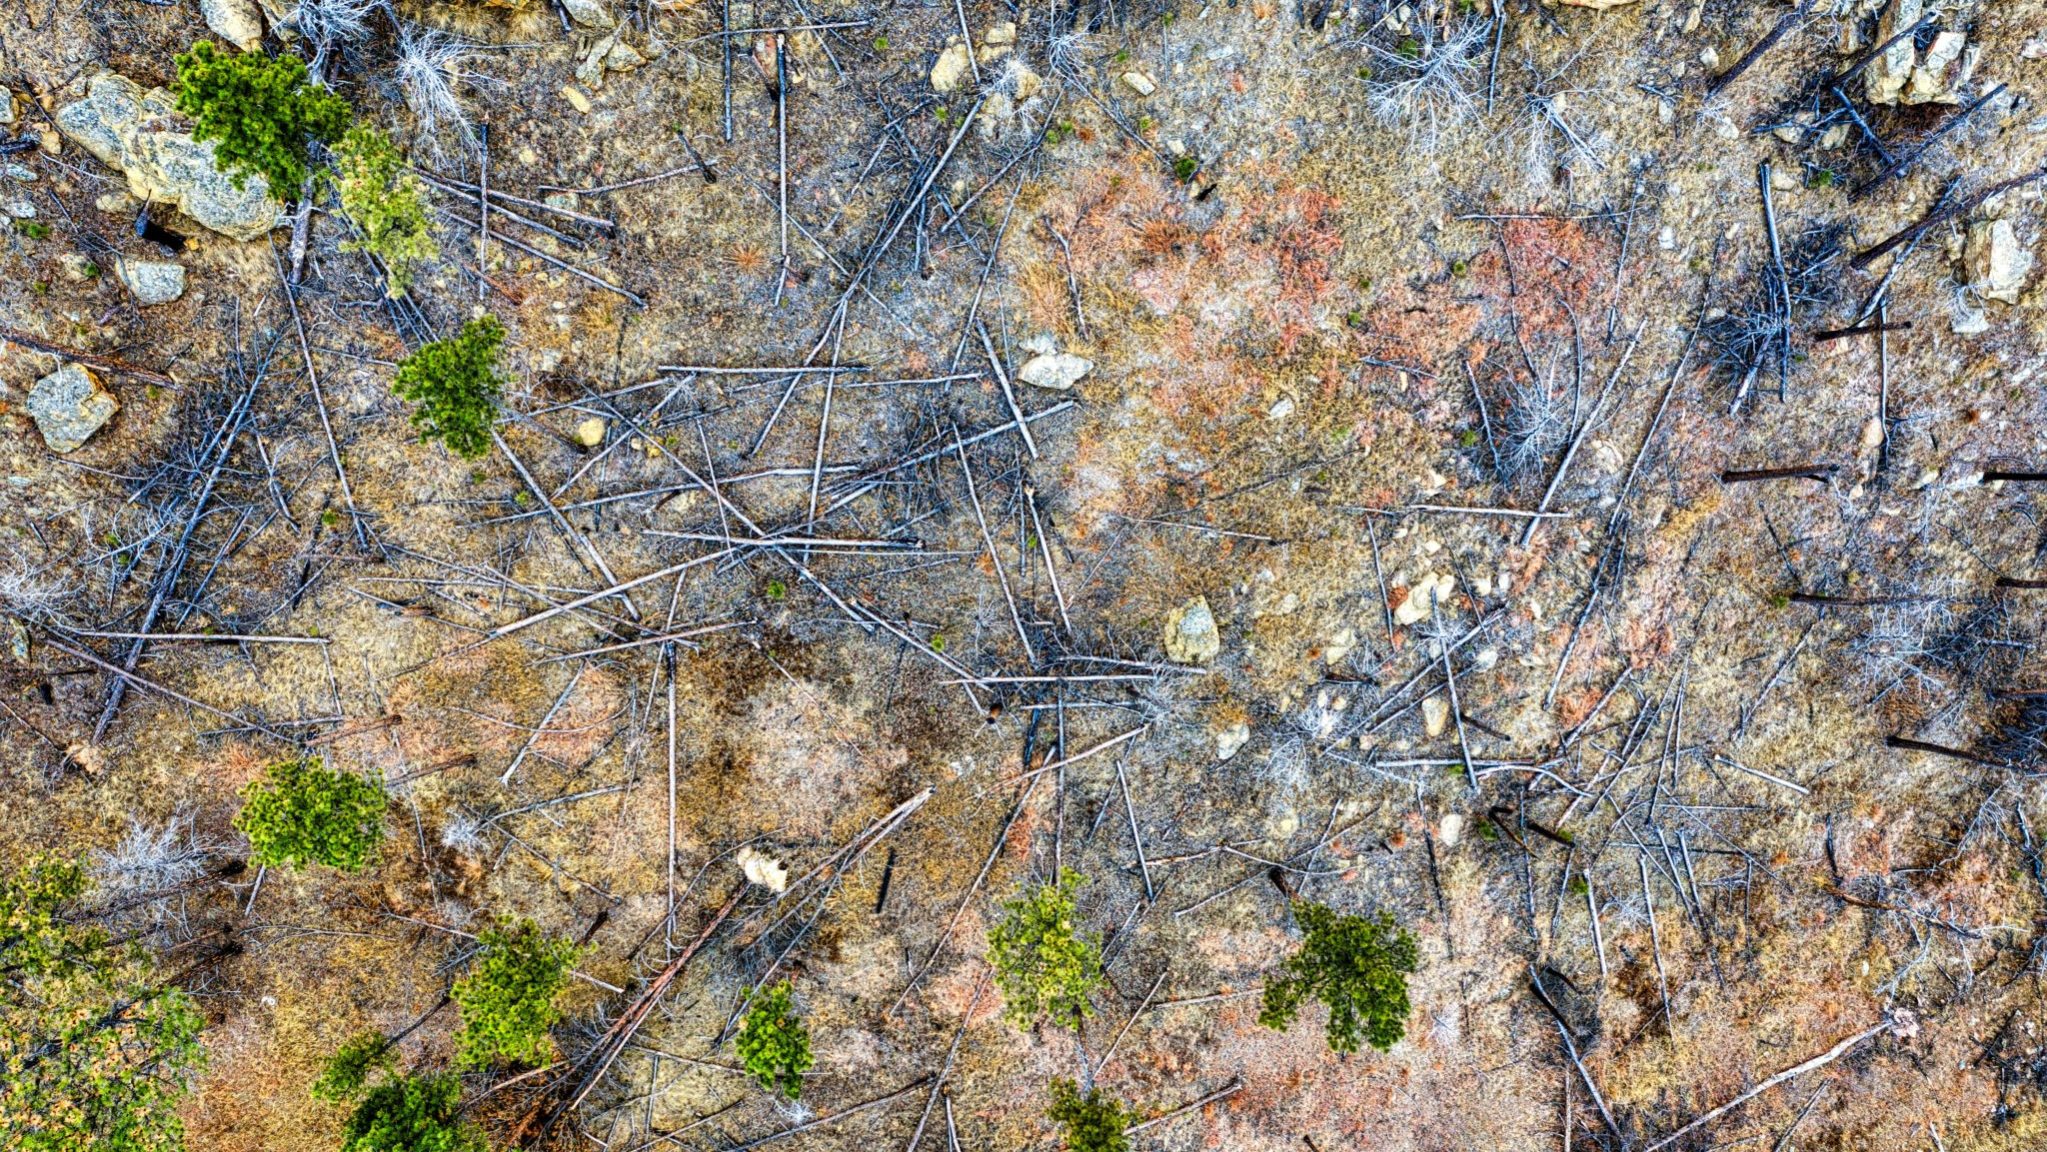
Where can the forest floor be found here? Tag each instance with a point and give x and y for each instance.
(1435, 347)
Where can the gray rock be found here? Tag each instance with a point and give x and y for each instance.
(589, 13)
(235, 21)
(1060, 370)
(1191, 634)
(20, 209)
(69, 405)
(6, 106)
(138, 133)
(1997, 263)
(1884, 79)
(151, 281)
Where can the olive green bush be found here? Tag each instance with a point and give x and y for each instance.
(1356, 965)
(774, 1044)
(1041, 963)
(386, 202)
(455, 383)
(262, 113)
(1091, 1122)
(302, 812)
(508, 996)
(96, 1051)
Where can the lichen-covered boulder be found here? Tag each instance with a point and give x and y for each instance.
(138, 133)
(1191, 634)
(69, 405)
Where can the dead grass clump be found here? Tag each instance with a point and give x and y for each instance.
(810, 758)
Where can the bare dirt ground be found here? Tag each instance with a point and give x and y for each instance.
(1492, 308)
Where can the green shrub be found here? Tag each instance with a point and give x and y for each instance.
(387, 203)
(455, 383)
(303, 812)
(261, 112)
(1356, 965)
(1092, 1122)
(507, 998)
(773, 1043)
(411, 1114)
(346, 1075)
(95, 1050)
(1041, 964)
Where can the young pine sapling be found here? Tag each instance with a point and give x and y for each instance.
(1358, 966)
(262, 113)
(302, 813)
(1041, 963)
(455, 383)
(774, 1044)
(508, 996)
(386, 202)
(1091, 1121)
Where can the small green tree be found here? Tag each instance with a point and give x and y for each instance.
(1358, 966)
(1041, 963)
(774, 1044)
(346, 1075)
(1093, 1122)
(507, 997)
(261, 112)
(387, 203)
(411, 1114)
(302, 812)
(455, 383)
(95, 1052)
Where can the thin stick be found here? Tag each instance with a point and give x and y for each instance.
(1002, 377)
(1136, 838)
(1817, 1062)
(1212, 1097)
(993, 557)
(482, 205)
(320, 406)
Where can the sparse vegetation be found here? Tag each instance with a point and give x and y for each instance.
(455, 384)
(1090, 1121)
(303, 813)
(774, 1044)
(262, 112)
(1357, 966)
(386, 202)
(508, 996)
(1043, 963)
(97, 1051)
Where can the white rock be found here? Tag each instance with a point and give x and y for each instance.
(1231, 740)
(763, 869)
(1140, 83)
(1450, 829)
(1422, 598)
(20, 210)
(1281, 408)
(6, 106)
(236, 21)
(1191, 635)
(1435, 716)
(577, 99)
(1060, 370)
(590, 433)
(951, 68)
(151, 281)
(1340, 647)
(1996, 262)
(1002, 34)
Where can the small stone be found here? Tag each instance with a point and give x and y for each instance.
(1281, 408)
(1435, 716)
(20, 209)
(50, 142)
(1231, 740)
(151, 281)
(1782, 181)
(69, 405)
(1940, 72)
(1422, 599)
(1872, 433)
(1996, 262)
(1191, 633)
(1710, 57)
(951, 68)
(763, 869)
(590, 433)
(588, 13)
(1140, 83)
(77, 267)
(19, 172)
(1001, 34)
(1060, 370)
(1834, 138)
(576, 98)
(1885, 77)
(1340, 647)
(1450, 829)
(6, 106)
(236, 21)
